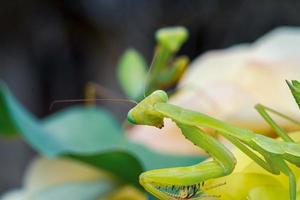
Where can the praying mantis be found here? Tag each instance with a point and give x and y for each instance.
(181, 183)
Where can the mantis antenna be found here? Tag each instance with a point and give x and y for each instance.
(88, 100)
(99, 89)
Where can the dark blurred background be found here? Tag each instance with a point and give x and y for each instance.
(49, 49)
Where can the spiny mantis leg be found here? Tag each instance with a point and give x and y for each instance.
(270, 162)
(281, 164)
(273, 164)
(262, 110)
(264, 164)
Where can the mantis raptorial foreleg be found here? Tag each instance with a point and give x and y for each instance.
(185, 182)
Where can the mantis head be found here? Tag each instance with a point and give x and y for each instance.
(144, 113)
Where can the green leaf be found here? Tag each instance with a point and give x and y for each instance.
(172, 37)
(90, 135)
(132, 73)
(155, 160)
(75, 191)
(87, 134)
(21, 121)
(7, 126)
(69, 125)
(295, 89)
(83, 129)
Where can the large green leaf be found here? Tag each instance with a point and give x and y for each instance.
(132, 73)
(84, 129)
(88, 134)
(7, 126)
(21, 121)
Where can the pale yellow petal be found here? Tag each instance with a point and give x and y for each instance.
(46, 172)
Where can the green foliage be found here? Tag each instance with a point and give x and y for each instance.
(7, 126)
(295, 89)
(88, 134)
(132, 73)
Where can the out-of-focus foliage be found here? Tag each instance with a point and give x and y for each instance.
(132, 73)
(88, 134)
(165, 71)
(76, 133)
(295, 88)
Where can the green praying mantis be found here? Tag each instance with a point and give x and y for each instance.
(188, 182)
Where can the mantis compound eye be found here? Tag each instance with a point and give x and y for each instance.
(161, 95)
(130, 118)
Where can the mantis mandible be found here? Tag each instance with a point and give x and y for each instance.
(188, 182)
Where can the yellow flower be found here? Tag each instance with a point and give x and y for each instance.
(251, 182)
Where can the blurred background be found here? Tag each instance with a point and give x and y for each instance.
(50, 49)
